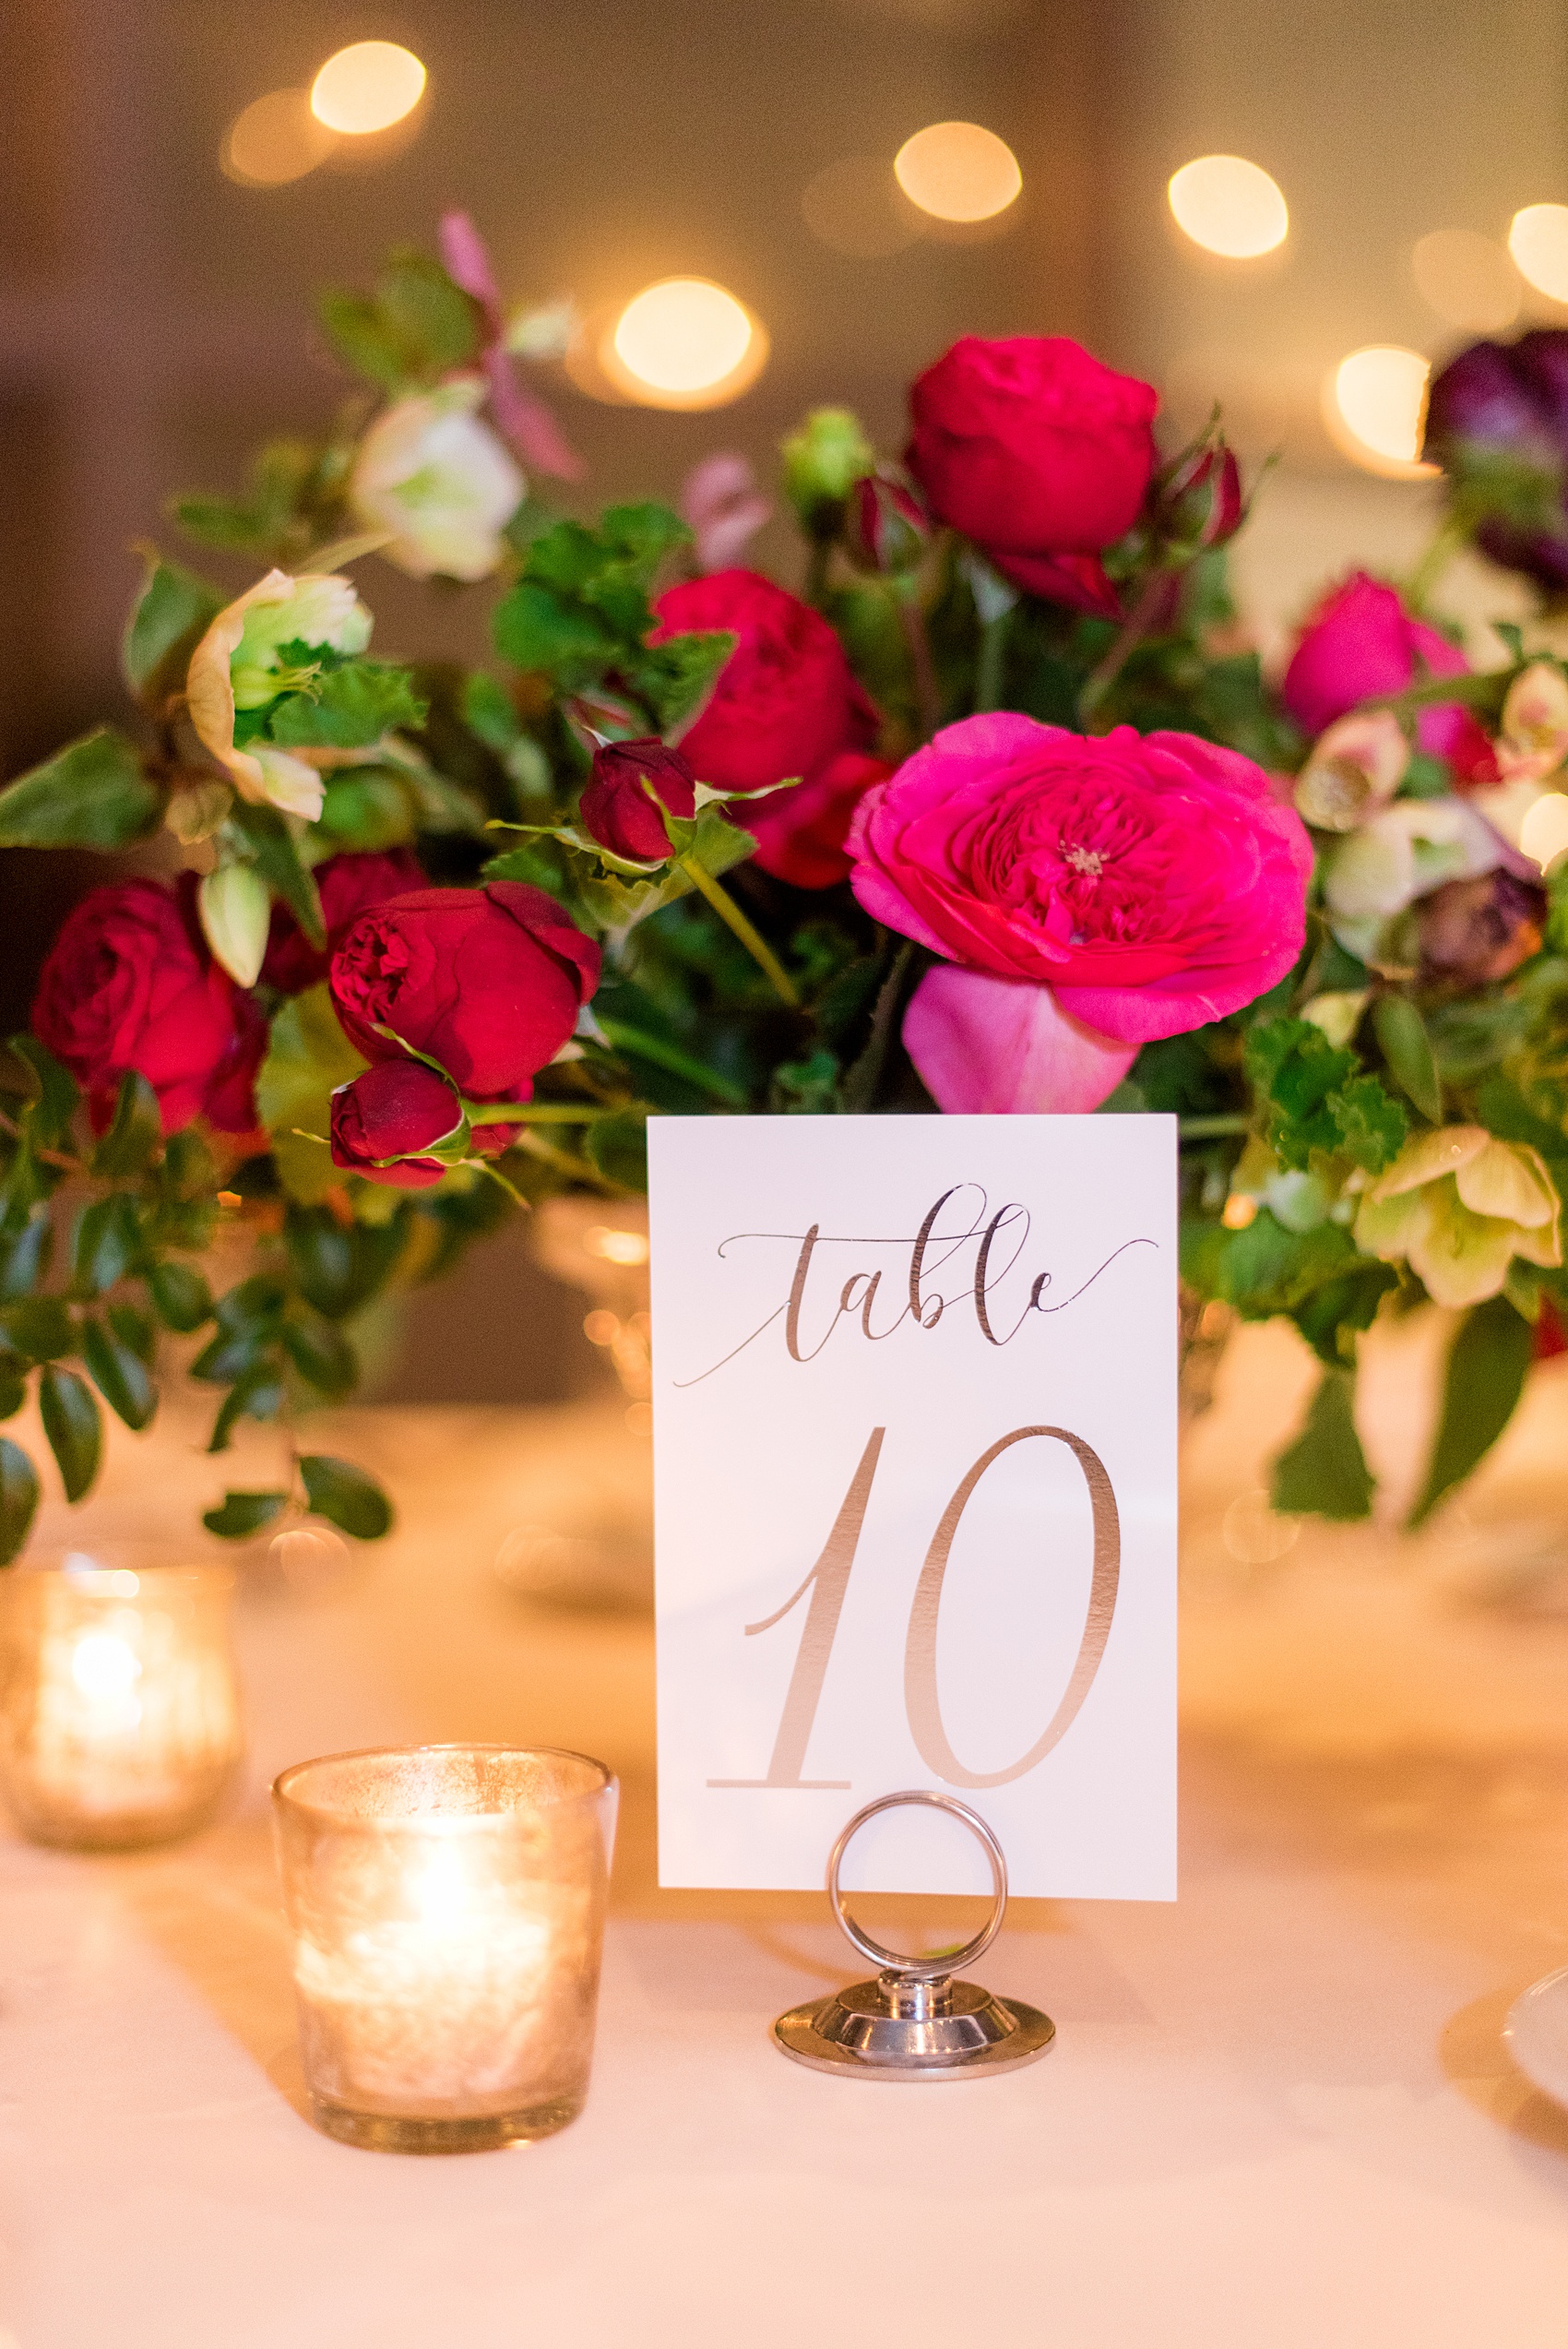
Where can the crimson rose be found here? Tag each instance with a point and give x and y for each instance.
(785, 699)
(487, 981)
(348, 884)
(390, 1111)
(615, 807)
(1038, 454)
(800, 832)
(129, 984)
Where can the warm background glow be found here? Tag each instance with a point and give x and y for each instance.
(683, 343)
(276, 139)
(959, 171)
(1375, 406)
(367, 88)
(1539, 242)
(1228, 205)
(855, 206)
(1468, 279)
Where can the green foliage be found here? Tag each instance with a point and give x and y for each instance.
(168, 620)
(18, 1498)
(242, 1514)
(308, 1058)
(74, 1427)
(119, 1373)
(617, 1146)
(338, 1268)
(1487, 1364)
(346, 707)
(1316, 1101)
(275, 847)
(106, 1244)
(295, 504)
(181, 1294)
(415, 328)
(94, 794)
(1406, 1047)
(135, 1132)
(1323, 1473)
(338, 1490)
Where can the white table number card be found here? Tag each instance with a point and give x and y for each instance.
(915, 1478)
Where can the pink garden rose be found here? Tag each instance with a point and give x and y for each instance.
(1361, 643)
(1130, 887)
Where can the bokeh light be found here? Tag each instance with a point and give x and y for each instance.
(1468, 279)
(1228, 205)
(1544, 834)
(959, 171)
(1539, 242)
(855, 206)
(683, 343)
(276, 139)
(367, 87)
(1374, 404)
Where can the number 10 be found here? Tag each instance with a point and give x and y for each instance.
(829, 1580)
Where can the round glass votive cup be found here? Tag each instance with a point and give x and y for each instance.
(446, 1904)
(119, 1703)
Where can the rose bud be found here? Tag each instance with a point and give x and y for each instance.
(1197, 500)
(886, 526)
(1361, 643)
(1352, 770)
(822, 464)
(1474, 932)
(488, 983)
(394, 1111)
(632, 780)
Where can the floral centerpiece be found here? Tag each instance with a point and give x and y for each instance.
(998, 812)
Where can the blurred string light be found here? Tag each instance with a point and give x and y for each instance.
(1544, 834)
(855, 206)
(959, 171)
(1228, 205)
(684, 342)
(1467, 278)
(366, 88)
(1539, 242)
(276, 139)
(1374, 406)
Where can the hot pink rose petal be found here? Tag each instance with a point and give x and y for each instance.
(980, 1043)
(1154, 882)
(1361, 643)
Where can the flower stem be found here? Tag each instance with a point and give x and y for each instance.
(1212, 1129)
(730, 914)
(1451, 534)
(815, 589)
(1152, 599)
(923, 669)
(989, 670)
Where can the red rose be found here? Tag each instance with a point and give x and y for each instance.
(785, 699)
(129, 985)
(487, 981)
(800, 832)
(391, 1111)
(1361, 643)
(615, 807)
(1039, 454)
(347, 886)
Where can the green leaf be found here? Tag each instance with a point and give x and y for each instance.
(617, 1145)
(74, 1425)
(308, 1058)
(242, 1514)
(339, 1490)
(181, 1294)
(54, 1103)
(39, 1328)
(1406, 1047)
(416, 327)
(13, 1391)
(1323, 1473)
(258, 1393)
(136, 1131)
(677, 676)
(120, 1376)
(1371, 1125)
(24, 1259)
(716, 843)
(534, 631)
(91, 794)
(488, 711)
(320, 1354)
(18, 1498)
(1487, 1364)
(368, 808)
(348, 709)
(276, 853)
(338, 1269)
(106, 1245)
(168, 620)
(135, 1330)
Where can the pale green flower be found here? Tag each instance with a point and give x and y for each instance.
(439, 481)
(1458, 1206)
(238, 664)
(1352, 770)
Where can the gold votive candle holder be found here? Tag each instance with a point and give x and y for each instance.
(446, 1904)
(119, 1705)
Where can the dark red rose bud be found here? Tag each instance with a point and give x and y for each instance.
(349, 886)
(617, 809)
(886, 526)
(394, 1111)
(1198, 501)
(1474, 932)
(486, 981)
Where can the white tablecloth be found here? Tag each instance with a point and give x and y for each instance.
(1278, 2114)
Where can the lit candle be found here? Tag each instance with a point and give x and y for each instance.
(119, 1708)
(448, 1907)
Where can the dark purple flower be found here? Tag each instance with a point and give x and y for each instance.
(1497, 422)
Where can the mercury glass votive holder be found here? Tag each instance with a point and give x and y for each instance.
(119, 1705)
(447, 1910)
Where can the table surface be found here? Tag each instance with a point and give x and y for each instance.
(1279, 2114)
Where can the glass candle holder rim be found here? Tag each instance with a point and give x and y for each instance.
(149, 1578)
(287, 1797)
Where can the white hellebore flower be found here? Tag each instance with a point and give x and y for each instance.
(439, 481)
(238, 665)
(1352, 770)
(1407, 851)
(1458, 1207)
(1534, 740)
